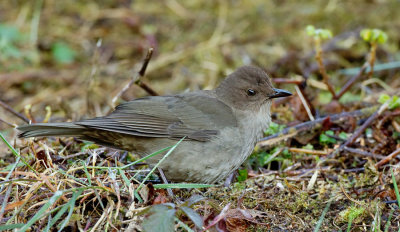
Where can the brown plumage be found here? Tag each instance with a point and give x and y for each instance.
(220, 126)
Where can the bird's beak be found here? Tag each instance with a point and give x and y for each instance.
(280, 93)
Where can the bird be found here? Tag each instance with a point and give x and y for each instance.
(219, 127)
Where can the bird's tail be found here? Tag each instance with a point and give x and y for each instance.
(62, 129)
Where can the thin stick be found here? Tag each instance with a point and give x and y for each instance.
(348, 197)
(307, 151)
(303, 100)
(359, 130)
(305, 127)
(363, 153)
(322, 70)
(136, 79)
(364, 126)
(388, 158)
(351, 82)
(5, 122)
(170, 193)
(371, 61)
(146, 61)
(11, 110)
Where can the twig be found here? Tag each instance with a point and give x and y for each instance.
(396, 125)
(324, 74)
(366, 124)
(388, 158)
(311, 125)
(318, 57)
(303, 100)
(371, 60)
(11, 110)
(170, 193)
(363, 153)
(359, 131)
(348, 197)
(5, 122)
(307, 151)
(351, 82)
(387, 116)
(136, 79)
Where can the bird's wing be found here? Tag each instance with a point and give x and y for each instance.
(196, 115)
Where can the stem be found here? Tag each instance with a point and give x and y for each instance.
(371, 60)
(351, 82)
(370, 63)
(318, 57)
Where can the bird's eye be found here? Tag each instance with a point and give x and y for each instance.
(251, 92)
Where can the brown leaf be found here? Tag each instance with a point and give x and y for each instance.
(238, 220)
(161, 198)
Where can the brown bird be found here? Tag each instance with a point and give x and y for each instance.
(220, 126)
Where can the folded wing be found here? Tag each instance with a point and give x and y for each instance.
(195, 115)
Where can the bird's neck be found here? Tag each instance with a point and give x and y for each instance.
(255, 122)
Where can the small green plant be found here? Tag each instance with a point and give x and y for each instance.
(343, 135)
(374, 36)
(63, 53)
(242, 175)
(9, 37)
(88, 146)
(368, 132)
(14, 51)
(162, 217)
(318, 35)
(393, 102)
(326, 137)
(274, 128)
(309, 146)
(354, 213)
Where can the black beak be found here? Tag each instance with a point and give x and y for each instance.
(280, 93)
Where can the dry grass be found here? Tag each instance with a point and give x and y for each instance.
(61, 182)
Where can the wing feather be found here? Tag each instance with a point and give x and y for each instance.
(196, 116)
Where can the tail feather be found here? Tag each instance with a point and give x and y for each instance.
(50, 129)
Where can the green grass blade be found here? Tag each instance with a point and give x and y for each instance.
(149, 156)
(124, 178)
(64, 208)
(159, 162)
(71, 205)
(322, 217)
(16, 153)
(183, 225)
(377, 220)
(349, 225)
(10, 173)
(88, 176)
(182, 185)
(39, 214)
(396, 189)
(388, 221)
(10, 227)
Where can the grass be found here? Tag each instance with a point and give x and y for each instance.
(54, 48)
